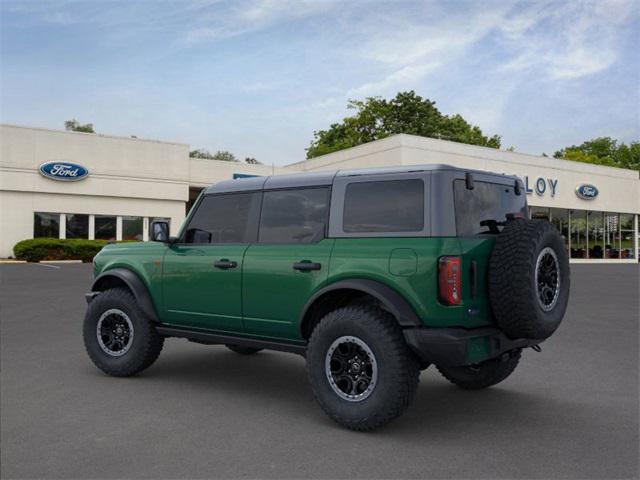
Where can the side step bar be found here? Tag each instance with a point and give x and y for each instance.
(209, 338)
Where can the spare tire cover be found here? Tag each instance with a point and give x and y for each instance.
(529, 279)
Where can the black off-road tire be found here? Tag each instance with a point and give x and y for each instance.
(242, 350)
(485, 374)
(513, 291)
(145, 345)
(397, 368)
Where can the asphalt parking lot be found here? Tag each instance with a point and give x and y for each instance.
(201, 411)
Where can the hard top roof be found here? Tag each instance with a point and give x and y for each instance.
(316, 179)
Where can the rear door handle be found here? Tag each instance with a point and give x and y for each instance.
(225, 264)
(306, 265)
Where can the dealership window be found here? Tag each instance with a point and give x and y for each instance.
(611, 235)
(626, 236)
(46, 225)
(578, 221)
(560, 220)
(595, 226)
(540, 213)
(294, 216)
(77, 226)
(132, 228)
(105, 227)
(384, 206)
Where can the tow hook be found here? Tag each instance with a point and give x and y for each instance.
(536, 348)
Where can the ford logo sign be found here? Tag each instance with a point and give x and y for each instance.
(586, 191)
(63, 171)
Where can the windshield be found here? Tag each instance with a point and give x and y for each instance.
(484, 209)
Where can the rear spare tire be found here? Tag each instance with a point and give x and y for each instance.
(529, 279)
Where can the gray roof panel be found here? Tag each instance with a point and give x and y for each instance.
(395, 169)
(237, 185)
(311, 179)
(314, 179)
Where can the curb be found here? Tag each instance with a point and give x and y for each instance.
(8, 261)
(60, 261)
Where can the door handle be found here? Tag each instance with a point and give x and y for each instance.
(225, 264)
(306, 265)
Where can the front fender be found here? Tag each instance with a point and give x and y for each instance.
(122, 275)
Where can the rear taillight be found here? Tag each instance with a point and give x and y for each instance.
(449, 280)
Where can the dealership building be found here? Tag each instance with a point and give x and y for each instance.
(79, 185)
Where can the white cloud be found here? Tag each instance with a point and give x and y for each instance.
(400, 79)
(250, 16)
(403, 39)
(563, 41)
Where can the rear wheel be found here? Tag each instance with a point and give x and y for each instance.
(361, 371)
(485, 374)
(243, 350)
(119, 338)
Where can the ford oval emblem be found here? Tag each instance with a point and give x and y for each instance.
(586, 191)
(63, 171)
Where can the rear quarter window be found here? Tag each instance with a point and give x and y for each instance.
(384, 206)
(476, 208)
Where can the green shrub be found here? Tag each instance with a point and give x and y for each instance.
(36, 249)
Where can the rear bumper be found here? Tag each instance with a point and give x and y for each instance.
(453, 347)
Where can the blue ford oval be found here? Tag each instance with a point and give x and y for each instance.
(63, 171)
(586, 191)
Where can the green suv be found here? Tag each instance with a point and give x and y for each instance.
(372, 275)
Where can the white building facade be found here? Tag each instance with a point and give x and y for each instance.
(129, 182)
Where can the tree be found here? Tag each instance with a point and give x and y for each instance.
(377, 118)
(201, 153)
(604, 151)
(225, 156)
(252, 161)
(219, 155)
(75, 126)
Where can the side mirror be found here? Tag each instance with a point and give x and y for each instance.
(159, 231)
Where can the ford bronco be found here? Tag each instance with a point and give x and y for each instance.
(372, 275)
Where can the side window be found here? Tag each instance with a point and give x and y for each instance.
(228, 218)
(384, 206)
(294, 216)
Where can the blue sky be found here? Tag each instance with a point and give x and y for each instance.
(258, 77)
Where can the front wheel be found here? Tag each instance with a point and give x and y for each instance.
(361, 371)
(485, 374)
(119, 338)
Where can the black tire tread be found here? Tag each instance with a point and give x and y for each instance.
(510, 269)
(151, 342)
(407, 373)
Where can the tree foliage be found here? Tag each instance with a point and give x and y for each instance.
(377, 118)
(223, 155)
(201, 153)
(604, 151)
(252, 161)
(74, 126)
